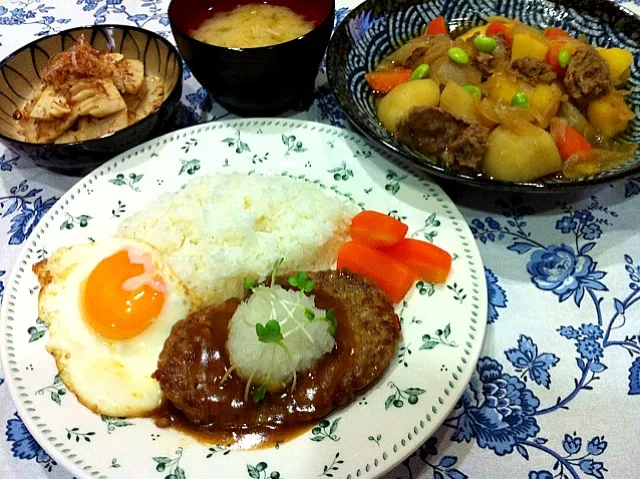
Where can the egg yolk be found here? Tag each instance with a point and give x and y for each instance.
(122, 298)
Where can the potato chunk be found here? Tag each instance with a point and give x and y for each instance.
(397, 103)
(526, 45)
(521, 157)
(546, 101)
(609, 115)
(619, 61)
(462, 105)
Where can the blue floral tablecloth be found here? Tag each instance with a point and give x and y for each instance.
(557, 389)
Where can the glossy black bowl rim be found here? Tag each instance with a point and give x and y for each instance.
(447, 173)
(268, 48)
(110, 136)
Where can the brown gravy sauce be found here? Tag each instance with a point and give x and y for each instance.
(305, 405)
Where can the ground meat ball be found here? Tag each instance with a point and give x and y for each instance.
(484, 63)
(534, 70)
(587, 75)
(469, 148)
(434, 131)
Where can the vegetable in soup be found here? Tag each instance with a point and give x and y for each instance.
(250, 26)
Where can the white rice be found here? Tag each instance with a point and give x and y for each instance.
(221, 228)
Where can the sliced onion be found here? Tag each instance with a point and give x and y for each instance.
(401, 55)
(558, 129)
(592, 162)
(445, 70)
(515, 118)
(574, 117)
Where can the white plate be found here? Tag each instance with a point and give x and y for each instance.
(443, 325)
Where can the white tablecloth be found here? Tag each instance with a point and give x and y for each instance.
(556, 389)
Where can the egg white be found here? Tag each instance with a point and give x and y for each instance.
(110, 377)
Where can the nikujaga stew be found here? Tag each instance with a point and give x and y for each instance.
(507, 100)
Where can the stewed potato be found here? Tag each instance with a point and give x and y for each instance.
(515, 156)
(397, 103)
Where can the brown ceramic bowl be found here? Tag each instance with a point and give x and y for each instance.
(20, 76)
(253, 81)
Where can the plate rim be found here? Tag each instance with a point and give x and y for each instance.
(469, 354)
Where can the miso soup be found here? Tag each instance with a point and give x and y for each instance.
(250, 26)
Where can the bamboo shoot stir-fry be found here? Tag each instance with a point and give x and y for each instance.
(87, 94)
(507, 100)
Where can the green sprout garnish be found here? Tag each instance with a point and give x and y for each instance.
(269, 332)
(250, 284)
(258, 393)
(274, 271)
(329, 318)
(333, 322)
(301, 282)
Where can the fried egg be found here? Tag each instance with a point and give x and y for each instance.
(110, 306)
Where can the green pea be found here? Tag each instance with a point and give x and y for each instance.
(520, 99)
(458, 55)
(420, 72)
(473, 90)
(485, 44)
(564, 57)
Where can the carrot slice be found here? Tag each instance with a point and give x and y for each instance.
(377, 229)
(554, 33)
(496, 27)
(437, 26)
(431, 263)
(392, 276)
(568, 140)
(553, 54)
(384, 82)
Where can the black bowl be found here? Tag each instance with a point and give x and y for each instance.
(21, 76)
(376, 28)
(253, 81)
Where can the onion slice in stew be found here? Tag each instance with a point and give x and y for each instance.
(592, 162)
